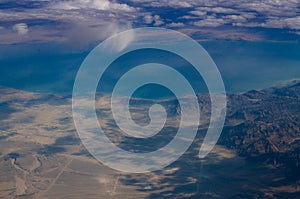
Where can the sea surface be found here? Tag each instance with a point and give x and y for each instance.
(244, 65)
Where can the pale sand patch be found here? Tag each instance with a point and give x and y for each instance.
(20, 186)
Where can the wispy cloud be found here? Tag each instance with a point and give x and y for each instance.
(120, 43)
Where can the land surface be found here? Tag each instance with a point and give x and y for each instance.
(257, 155)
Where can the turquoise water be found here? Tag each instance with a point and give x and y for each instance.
(255, 65)
(51, 68)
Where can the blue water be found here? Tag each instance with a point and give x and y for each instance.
(255, 65)
(51, 68)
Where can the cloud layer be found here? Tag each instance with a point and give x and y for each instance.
(60, 20)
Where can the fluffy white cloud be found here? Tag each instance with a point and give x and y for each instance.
(21, 28)
(179, 4)
(222, 10)
(293, 23)
(289, 23)
(198, 13)
(148, 19)
(156, 20)
(165, 3)
(210, 22)
(92, 4)
(176, 25)
(235, 18)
